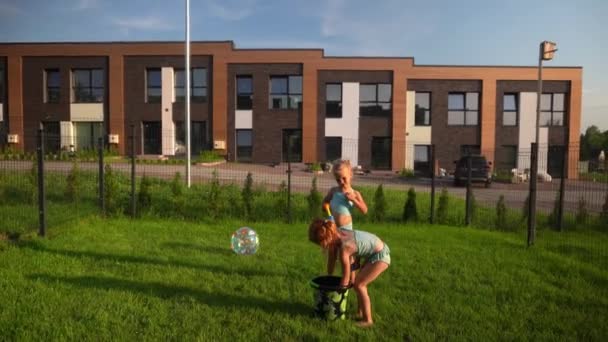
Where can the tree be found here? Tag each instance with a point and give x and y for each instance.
(410, 211)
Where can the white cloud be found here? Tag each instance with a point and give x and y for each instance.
(231, 10)
(7, 10)
(147, 23)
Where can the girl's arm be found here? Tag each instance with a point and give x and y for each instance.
(355, 197)
(345, 262)
(331, 260)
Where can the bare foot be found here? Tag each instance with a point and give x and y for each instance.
(364, 324)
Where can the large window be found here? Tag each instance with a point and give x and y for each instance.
(244, 92)
(153, 85)
(198, 137)
(552, 109)
(423, 109)
(375, 99)
(381, 152)
(422, 158)
(152, 137)
(509, 113)
(244, 145)
(333, 148)
(293, 138)
(463, 109)
(333, 101)
(285, 92)
(52, 80)
(198, 85)
(87, 135)
(508, 158)
(87, 85)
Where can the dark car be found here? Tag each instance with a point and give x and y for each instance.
(480, 170)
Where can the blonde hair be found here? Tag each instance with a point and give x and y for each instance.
(323, 232)
(340, 164)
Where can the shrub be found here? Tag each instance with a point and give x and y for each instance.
(144, 199)
(407, 173)
(111, 192)
(604, 213)
(214, 204)
(209, 156)
(379, 212)
(582, 214)
(409, 210)
(553, 218)
(32, 184)
(314, 200)
(281, 202)
(247, 196)
(501, 213)
(472, 207)
(177, 186)
(73, 183)
(442, 207)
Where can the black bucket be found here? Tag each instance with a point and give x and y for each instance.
(330, 298)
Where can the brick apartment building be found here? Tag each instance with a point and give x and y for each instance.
(382, 113)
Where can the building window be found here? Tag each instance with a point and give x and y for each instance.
(293, 138)
(153, 86)
(87, 85)
(422, 159)
(198, 85)
(333, 101)
(375, 99)
(466, 150)
(509, 113)
(333, 148)
(508, 158)
(244, 92)
(285, 92)
(52, 80)
(463, 109)
(87, 135)
(423, 109)
(552, 109)
(244, 145)
(152, 137)
(198, 137)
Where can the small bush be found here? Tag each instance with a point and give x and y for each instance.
(73, 184)
(379, 212)
(501, 214)
(314, 200)
(472, 207)
(407, 173)
(315, 167)
(177, 186)
(144, 199)
(209, 156)
(111, 192)
(410, 212)
(281, 201)
(215, 205)
(32, 184)
(442, 207)
(247, 196)
(582, 214)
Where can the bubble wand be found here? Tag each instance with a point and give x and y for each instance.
(326, 209)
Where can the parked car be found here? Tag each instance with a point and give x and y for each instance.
(480, 170)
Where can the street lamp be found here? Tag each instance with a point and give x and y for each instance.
(546, 52)
(187, 74)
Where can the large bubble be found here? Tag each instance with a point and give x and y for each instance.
(244, 241)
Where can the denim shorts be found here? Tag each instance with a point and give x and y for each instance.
(384, 255)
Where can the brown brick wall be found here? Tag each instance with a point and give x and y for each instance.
(3, 102)
(268, 124)
(34, 108)
(448, 139)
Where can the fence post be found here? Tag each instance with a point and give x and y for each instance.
(289, 179)
(133, 208)
(562, 190)
(532, 195)
(41, 193)
(102, 204)
(433, 161)
(467, 217)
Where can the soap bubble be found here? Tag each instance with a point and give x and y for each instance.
(244, 241)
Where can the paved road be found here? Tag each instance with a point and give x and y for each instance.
(269, 176)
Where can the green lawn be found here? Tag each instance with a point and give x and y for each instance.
(117, 279)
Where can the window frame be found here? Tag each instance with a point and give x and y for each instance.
(47, 98)
(333, 115)
(552, 111)
(515, 111)
(289, 94)
(376, 113)
(193, 86)
(90, 86)
(426, 110)
(464, 110)
(157, 98)
(244, 95)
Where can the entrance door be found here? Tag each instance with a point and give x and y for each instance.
(152, 137)
(381, 153)
(295, 153)
(555, 161)
(52, 136)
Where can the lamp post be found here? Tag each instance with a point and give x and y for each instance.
(187, 74)
(546, 52)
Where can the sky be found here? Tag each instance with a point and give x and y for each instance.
(464, 32)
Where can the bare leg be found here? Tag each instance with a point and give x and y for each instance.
(368, 274)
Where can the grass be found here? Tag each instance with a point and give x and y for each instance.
(158, 279)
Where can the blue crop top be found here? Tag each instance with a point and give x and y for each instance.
(339, 204)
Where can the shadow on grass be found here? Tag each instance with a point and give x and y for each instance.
(165, 291)
(147, 260)
(199, 248)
